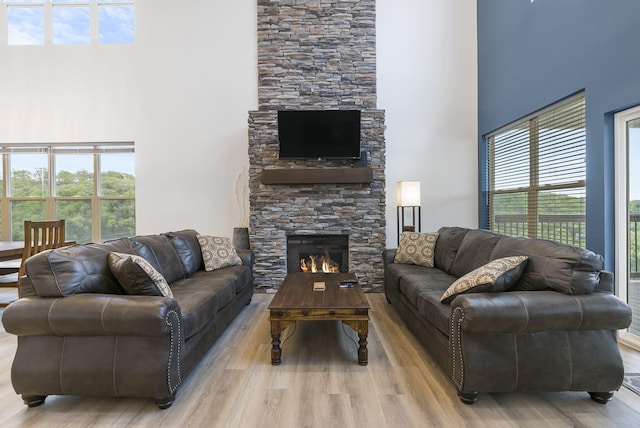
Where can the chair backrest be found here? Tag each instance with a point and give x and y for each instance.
(40, 236)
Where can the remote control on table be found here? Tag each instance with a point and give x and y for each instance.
(348, 283)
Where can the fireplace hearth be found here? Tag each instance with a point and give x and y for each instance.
(318, 253)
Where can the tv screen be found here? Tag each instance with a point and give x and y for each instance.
(319, 134)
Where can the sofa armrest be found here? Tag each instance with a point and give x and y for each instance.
(388, 255)
(536, 311)
(247, 256)
(92, 315)
(606, 283)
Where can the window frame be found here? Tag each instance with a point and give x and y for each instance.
(534, 188)
(52, 198)
(621, 197)
(48, 6)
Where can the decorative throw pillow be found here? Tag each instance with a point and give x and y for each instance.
(416, 248)
(217, 252)
(497, 275)
(137, 276)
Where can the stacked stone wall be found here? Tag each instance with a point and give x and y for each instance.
(316, 54)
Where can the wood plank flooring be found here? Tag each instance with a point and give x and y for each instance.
(319, 384)
(7, 295)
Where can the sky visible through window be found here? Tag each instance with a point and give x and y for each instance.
(70, 22)
(71, 25)
(26, 25)
(116, 24)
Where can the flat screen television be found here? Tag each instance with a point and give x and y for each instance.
(319, 134)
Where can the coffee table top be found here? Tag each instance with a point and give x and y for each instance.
(296, 292)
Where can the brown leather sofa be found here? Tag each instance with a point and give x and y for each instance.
(79, 334)
(554, 330)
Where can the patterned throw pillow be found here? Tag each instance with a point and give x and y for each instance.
(497, 275)
(416, 248)
(217, 252)
(137, 276)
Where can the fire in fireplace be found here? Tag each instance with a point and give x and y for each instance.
(317, 253)
(315, 264)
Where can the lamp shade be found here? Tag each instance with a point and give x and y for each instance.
(408, 193)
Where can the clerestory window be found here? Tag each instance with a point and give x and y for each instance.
(69, 22)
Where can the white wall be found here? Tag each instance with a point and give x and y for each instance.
(197, 74)
(184, 90)
(427, 83)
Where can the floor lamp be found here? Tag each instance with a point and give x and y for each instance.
(408, 193)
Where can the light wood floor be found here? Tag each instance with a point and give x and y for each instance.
(319, 384)
(7, 295)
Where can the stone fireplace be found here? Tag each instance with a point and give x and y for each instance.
(317, 253)
(316, 54)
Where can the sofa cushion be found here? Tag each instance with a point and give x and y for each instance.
(188, 248)
(474, 251)
(449, 239)
(217, 252)
(137, 276)
(240, 274)
(553, 266)
(497, 275)
(160, 252)
(433, 310)
(76, 269)
(201, 296)
(416, 248)
(394, 271)
(430, 279)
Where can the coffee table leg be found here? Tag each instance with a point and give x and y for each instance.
(276, 351)
(362, 328)
(277, 327)
(363, 353)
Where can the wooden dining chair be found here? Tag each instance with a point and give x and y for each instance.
(38, 236)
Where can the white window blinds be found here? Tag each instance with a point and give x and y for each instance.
(537, 173)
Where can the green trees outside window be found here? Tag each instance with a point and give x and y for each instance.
(92, 187)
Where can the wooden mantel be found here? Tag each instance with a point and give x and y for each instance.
(317, 175)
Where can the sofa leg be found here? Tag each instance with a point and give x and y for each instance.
(468, 397)
(33, 400)
(165, 402)
(601, 397)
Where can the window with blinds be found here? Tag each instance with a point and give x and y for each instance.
(536, 174)
(91, 186)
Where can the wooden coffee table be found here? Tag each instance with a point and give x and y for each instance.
(296, 300)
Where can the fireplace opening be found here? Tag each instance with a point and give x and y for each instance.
(317, 253)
